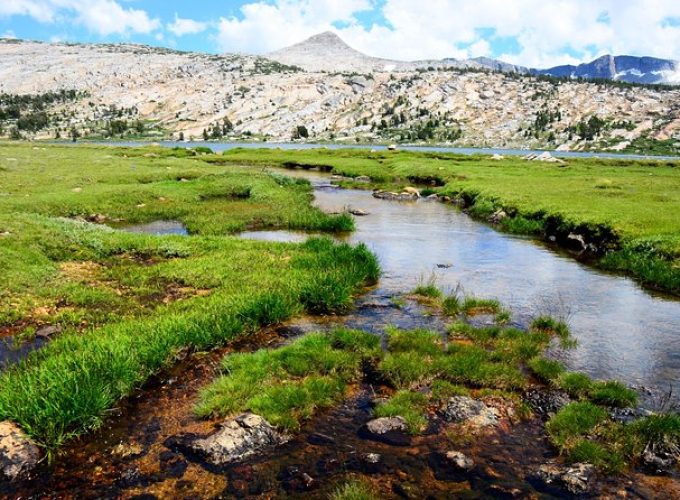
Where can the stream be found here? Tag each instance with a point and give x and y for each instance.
(624, 332)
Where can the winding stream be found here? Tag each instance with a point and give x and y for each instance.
(624, 332)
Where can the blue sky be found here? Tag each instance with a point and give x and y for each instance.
(529, 32)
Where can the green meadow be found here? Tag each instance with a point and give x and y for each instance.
(627, 208)
(130, 304)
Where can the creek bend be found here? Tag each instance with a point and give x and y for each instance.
(624, 332)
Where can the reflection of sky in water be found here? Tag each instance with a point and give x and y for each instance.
(623, 331)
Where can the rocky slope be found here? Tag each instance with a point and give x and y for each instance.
(234, 96)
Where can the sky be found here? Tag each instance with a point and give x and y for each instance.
(536, 33)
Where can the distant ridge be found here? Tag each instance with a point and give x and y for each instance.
(328, 52)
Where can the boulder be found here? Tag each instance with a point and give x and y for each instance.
(462, 409)
(411, 190)
(362, 178)
(498, 157)
(18, 454)
(237, 439)
(576, 479)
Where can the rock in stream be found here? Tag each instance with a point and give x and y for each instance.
(237, 439)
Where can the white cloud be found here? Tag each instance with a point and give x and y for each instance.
(8, 34)
(104, 17)
(547, 32)
(183, 27)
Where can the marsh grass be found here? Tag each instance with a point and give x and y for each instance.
(131, 304)
(410, 405)
(355, 489)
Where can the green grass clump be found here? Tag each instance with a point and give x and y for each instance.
(408, 404)
(420, 341)
(406, 369)
(547, 370)
(612, 393)
(576, 384)
(442, 390)
(573, 421)
(451, 305)
(590, 452)
(429, 291)
(476, 305)
(357, 489)
(287, 385)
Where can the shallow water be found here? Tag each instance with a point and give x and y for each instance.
(159, 227)
(222, 146)
(623, 331)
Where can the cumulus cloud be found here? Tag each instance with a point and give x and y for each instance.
(183, 27)
(543, 32)
(104, 17)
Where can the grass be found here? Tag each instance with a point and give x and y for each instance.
(583, 432)
(410, 405)
(288, 385)
(547, 370)
(355, 489)
(627, 208)
(574, 421)
(130, 304)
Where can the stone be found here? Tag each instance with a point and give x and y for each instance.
(77, 190)
(459, 460)
(385, 195)
(362, 178)
(358, 212)
(411, 190)
(462, 409)
(546, 402)
(392, 147)
(576, 479)
(47, 331)
(127, 450)
(389, 430)
(237, 439)
(498, 216)
(383, 425)
(445, 265)
(497, 157)
(18, 454)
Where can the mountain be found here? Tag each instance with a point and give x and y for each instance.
(621, 68)
(328, 52)
(130, 90)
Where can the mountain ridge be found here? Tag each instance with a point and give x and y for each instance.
(327, 51)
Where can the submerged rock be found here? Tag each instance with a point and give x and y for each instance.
(575, 479)
(18, 454)
(238, 438)
(358, 212)
(459, 460)
(389, 430)
(386, 195)
(462, 409)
